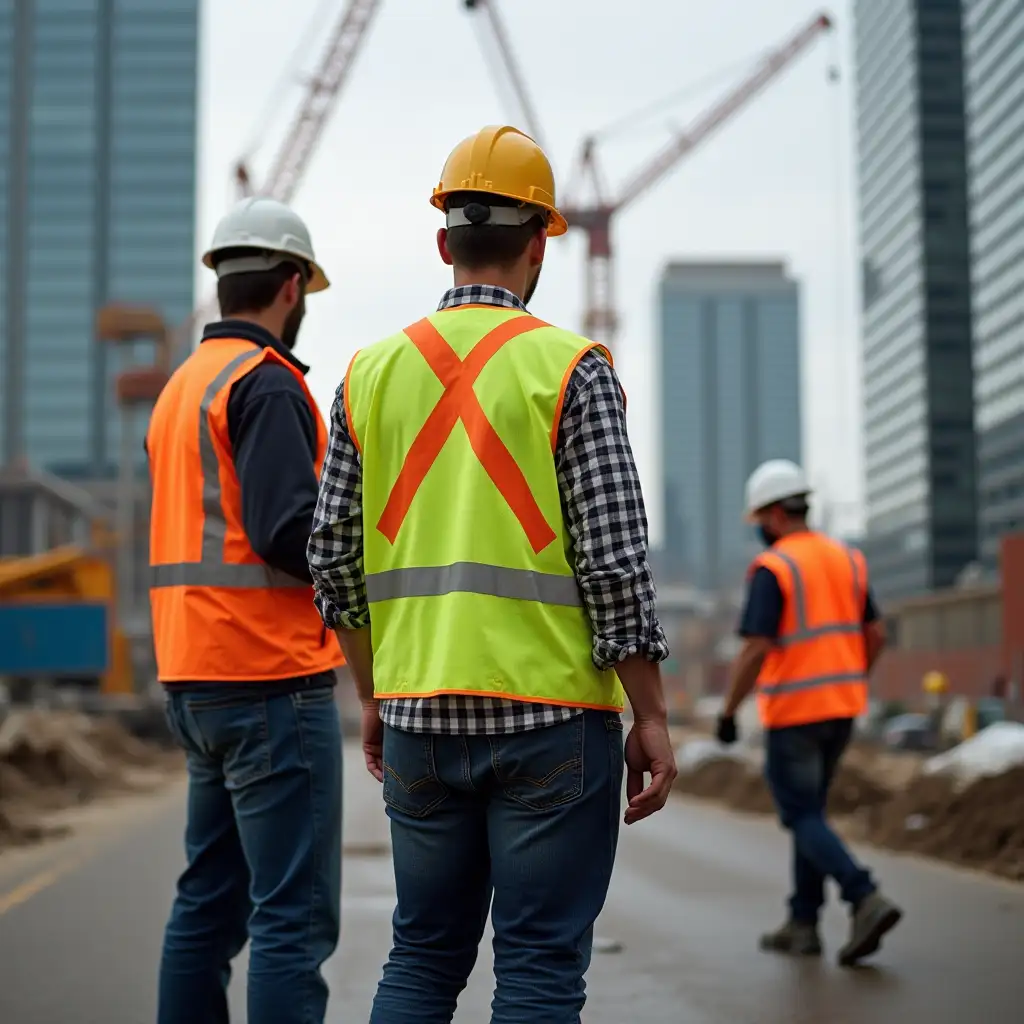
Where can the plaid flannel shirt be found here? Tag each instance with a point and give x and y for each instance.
(604, 513)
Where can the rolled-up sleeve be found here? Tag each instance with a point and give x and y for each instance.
(605, 515)
(335, 549)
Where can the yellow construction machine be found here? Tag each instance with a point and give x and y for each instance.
(58, 621)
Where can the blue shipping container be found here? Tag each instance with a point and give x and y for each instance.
(54, 639)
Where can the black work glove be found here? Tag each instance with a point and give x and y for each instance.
(726, 731)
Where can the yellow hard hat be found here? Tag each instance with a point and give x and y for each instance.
(505, 162)
(935, 682)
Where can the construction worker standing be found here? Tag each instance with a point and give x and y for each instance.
(480, 508)
(235, 445)
(812, 634)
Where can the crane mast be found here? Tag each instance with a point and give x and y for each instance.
(297, 147)
(772, 65)
(600, 317)
(296, 150)
(515, 75)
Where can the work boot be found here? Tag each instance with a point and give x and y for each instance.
(794, 938)
(870, 920)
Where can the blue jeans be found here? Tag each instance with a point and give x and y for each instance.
(801, 763)
(263, 841)
(530, 818)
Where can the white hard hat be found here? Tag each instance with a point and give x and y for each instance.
(270, 227)
(775, 480)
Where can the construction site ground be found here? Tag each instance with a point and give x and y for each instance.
(81, 918)
(883, 797)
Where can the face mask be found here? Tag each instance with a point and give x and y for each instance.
(767, 534)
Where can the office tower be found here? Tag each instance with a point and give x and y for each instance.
(918, 381)
(97, 203)
(994, 72)
(730, 398)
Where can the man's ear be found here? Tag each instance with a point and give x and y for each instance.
(291, 291)
(442, 246)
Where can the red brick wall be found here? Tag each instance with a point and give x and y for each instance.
(898, 674)
(1011, 559)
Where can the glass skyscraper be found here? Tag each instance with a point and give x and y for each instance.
(994, 67)
(918, 379)
(730, 398)
(97, 198)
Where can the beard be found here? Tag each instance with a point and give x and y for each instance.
(290, 330)
(531, 287)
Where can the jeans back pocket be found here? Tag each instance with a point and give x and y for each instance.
(411, 785)
(541, 768)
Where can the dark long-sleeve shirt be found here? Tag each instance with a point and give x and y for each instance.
(273, 436)
(604, 513)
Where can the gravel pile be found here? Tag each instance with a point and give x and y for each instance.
(50, 760)
(980, 825)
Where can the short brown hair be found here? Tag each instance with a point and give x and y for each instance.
(475, 246)
(252, 291)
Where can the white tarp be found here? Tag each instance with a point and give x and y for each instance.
(992, 751)
(696, 752)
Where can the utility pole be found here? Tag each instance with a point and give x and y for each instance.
(136, 387)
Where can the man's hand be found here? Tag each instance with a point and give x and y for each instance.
(726, 732)
(372, 733)
(648, 749)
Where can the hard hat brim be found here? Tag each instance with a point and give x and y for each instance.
(318, 281)
(751, 514)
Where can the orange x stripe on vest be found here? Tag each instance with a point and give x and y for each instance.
(459, 402)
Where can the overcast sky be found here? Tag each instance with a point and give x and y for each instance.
(776, 181)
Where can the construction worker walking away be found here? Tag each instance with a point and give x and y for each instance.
(481, 509)
(811, 634)
(235, 445)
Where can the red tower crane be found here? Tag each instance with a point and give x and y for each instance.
(600, 318)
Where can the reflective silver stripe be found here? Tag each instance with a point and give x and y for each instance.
(774, 689)
(214, 526)
(211, 570)
(235, 577)
(828, 629)
(799, 599)
(473, 578)
(802, 632)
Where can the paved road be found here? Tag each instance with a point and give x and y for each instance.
(80, 925)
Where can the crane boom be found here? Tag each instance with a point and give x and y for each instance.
(773, 64)
(512, 68)
(295, 151)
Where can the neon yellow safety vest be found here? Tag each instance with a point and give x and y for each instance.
(468, 564)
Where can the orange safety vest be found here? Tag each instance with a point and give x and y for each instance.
(219, 613)
(817, 669)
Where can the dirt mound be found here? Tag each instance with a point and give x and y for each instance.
(54, 750)
(742, 787)
(51, 760)
(730, 781)
(981, 826)
(853, 790)
(114, 742)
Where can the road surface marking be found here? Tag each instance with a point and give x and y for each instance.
(87, 849)
(37, 883)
